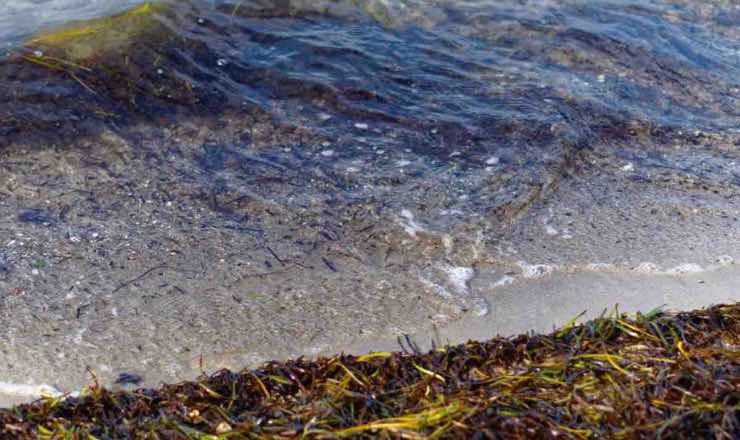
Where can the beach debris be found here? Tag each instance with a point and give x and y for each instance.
(128, 379)
(5, 266)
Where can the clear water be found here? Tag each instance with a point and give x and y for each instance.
(440, 87)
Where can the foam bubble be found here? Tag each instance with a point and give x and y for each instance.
(410, 226)
(480, 306)
(448, 243)
(725, 260)
(533, 271)
(459, 277)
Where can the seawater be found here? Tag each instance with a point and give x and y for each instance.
(493, 100)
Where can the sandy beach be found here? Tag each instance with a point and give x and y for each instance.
(147, 289)
(537, 306)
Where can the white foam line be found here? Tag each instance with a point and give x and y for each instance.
(536, 271)
(685, 268)
(649, 268)
(600, 267)
(646, 267)
(28, 390)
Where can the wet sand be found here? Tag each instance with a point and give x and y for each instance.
(538, 305)
(543, 305)
(129, 273)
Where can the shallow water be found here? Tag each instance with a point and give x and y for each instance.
(206, 176)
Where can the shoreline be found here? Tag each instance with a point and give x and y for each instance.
(537, 306)
(615, 376)
(550, 302)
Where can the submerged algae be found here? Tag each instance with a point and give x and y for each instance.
(79, 42)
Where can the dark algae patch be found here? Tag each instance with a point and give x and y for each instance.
(658, 375)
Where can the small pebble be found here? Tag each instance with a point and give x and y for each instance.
(222, 428)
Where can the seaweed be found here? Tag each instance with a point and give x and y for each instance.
(80, 40)
(658, 375)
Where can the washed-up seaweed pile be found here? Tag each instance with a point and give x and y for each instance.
(650, 376)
